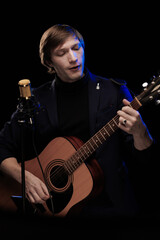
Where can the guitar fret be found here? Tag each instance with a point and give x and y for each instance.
(116, 119)
(89, 143)
(84, 153)
(135, 104)
(115, 122)
(106, 131)
(70, 165)
(99, 139)
(74, 161)
(95, 141)
(79, 156)
(110, 127)
(102, 135)
(89, 150)
(109, 130)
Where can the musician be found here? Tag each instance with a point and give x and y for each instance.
(79, 103)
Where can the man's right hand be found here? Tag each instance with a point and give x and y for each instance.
(36, 190)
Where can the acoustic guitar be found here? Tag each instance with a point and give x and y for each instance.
(67, 168)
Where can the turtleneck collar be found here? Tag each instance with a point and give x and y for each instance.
(73, 87)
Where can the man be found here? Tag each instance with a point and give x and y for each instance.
(78, 103)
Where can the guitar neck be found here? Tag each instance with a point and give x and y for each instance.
(85, 151)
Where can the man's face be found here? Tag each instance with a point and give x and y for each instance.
(68, 60)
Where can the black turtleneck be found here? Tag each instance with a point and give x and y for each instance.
(72, 105)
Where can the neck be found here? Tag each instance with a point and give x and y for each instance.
(71, 80)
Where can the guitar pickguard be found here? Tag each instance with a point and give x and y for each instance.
(60, 200)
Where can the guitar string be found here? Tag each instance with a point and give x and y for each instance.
(79, 151)
(61, 169)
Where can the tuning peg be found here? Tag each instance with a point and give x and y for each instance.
(145, 84)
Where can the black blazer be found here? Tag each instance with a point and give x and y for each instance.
(105, 98)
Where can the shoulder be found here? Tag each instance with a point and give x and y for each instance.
(44, 93)
(105, 80)
(112, 85)
(43, 88)
(113, 81)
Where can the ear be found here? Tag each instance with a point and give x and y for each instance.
(50, 65)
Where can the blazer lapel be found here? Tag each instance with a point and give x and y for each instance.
(94, 98)
(52, 106)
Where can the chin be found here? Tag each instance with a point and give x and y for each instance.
(76, 76)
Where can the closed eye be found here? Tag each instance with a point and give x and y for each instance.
(77, 46)
(60, 53)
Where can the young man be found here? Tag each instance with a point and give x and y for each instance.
(78, 103)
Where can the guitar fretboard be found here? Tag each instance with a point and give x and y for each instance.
(85, 151)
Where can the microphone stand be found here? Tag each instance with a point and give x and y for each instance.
(21, 123)
(27, 108)
(25, 112)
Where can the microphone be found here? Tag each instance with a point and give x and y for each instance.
(25, 88)
(27, 105)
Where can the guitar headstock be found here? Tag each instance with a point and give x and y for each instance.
(150, 92)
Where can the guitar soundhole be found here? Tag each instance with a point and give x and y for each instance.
(57, 178)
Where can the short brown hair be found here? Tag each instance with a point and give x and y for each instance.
(52, 38)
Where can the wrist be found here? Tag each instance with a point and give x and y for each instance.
(142, 140)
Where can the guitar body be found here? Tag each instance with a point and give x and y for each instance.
(68, 191)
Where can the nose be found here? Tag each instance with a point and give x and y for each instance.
(72, 56)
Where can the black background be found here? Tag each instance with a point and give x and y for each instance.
(122, 41)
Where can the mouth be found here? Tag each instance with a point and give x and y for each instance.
(75, 68)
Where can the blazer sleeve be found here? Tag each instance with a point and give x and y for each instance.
(11, 141)
(138, 158)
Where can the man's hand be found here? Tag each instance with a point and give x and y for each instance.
(131, 122)
(36, 190)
